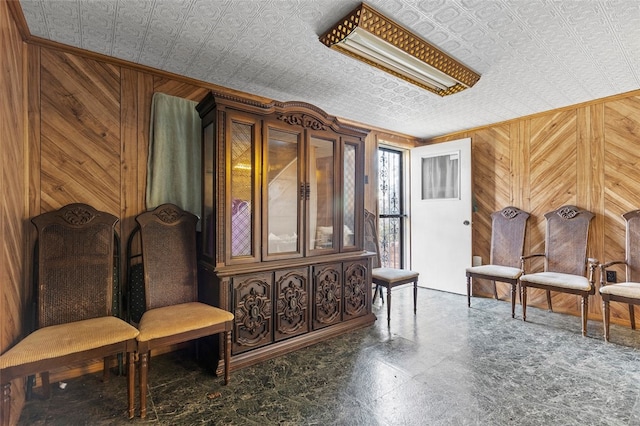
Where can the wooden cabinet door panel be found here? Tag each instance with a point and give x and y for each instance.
(252, 301)
(327, 290)
(292, 303)
(356, 289)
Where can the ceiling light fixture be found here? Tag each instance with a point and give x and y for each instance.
(369, 36)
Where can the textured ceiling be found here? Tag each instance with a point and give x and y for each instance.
(533, 55)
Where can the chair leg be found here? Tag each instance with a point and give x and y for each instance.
(468, 291)
(415, 297)
(585, 308)
(121, 367)
(523, 289)
(519, 292)
(6, 404)
(513, 300)
(144, 367)
(632, 317)
(549, 300)
(227, 356)
(46, 386)
(379, 288)
(389, 306)
(131, 373)
(495, 289)
(605, 319)
(31, 383)
(105, 369)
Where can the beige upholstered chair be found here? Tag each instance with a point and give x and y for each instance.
(386, 277)
(507, 244)
(629, 290)
(173, 314)
(565, 259)
(74, 280)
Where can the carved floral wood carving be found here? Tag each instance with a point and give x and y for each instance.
(568, 212)
(303, 120)
(327, 296)
(355, 290)
(509, 213)
(78, 215)
(168, 215)
(291, 305)
(253, 313)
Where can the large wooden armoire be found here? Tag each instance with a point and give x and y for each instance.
(282, 224)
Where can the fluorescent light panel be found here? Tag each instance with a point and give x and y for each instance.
(368, 36)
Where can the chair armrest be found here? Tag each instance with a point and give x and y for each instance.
(603, 270)
(593, 264)
(529, 256)
(604, 266)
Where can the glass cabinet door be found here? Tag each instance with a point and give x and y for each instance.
(320, 196)
(350, 195)
(283, 193)
(243, 201)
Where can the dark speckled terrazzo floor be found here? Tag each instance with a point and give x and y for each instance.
(448, 365)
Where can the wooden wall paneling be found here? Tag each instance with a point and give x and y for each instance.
(138, 176)
(520, 137)
(371, 144)
(179, 89)
(586, 186)
(129, 193)
(80, 132)
(13, 158)
(145, 94)
(553, 179)
(32, 169)
(516, 148)
(621, 182)
(521, 183)
(491, 188)
(597, 238)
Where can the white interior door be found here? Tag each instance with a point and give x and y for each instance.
(441, 214)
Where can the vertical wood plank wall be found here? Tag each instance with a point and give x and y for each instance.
(13, 215)
(586, 155)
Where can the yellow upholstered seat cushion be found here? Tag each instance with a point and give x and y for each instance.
(628, 289)
(64, 339)
(170, 320)
(506, 272)
(557, 279)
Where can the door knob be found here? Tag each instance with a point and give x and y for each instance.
(466, 223)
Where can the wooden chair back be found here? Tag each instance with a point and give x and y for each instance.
(632, 245)
(75, 264)
(169, 257)
(507, 236)
(566, 240)
(371, 238)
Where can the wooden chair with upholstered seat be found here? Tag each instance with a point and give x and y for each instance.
(74, 285)
(386, 277)
(627, 291)
(566, 266)
(173, 314)
(507, 244)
